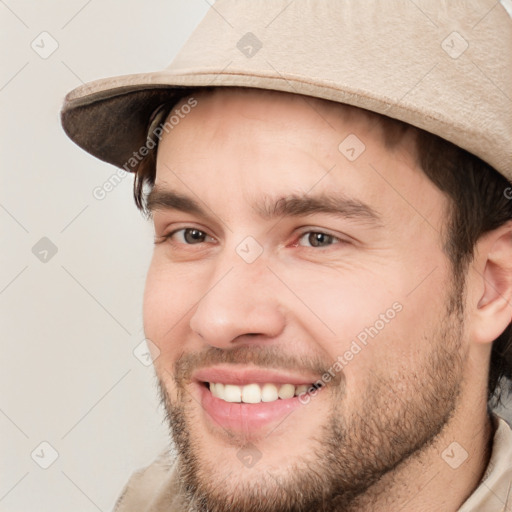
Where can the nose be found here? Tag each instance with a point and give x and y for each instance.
(239, 302)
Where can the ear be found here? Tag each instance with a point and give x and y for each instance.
(492, 269)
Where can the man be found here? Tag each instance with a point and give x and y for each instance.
(329, 299)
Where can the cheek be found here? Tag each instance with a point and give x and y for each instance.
(368, 321)
(168, 298)
(336, 306)
(399, 340)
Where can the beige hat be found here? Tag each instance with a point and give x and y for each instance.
(442, 65)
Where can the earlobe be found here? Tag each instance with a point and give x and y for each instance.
(494, 308)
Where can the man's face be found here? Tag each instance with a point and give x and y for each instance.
(285, 259)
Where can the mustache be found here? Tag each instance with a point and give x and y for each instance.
(264, 357)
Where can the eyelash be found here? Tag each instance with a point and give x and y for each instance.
(334, 239)
(170, 235)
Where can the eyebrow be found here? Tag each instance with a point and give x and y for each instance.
(297, 206)
(291, 205)
(162, 199)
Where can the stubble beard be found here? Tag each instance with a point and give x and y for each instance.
(352, 450)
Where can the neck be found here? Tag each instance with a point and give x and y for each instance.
(442, 475)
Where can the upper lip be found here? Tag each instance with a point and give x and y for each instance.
(250, 375)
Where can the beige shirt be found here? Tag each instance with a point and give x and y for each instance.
(157, 487)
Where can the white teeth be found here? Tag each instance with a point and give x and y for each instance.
(217, 389)
(269, 393)
(255, 393)
(299, 390)
(231, 393)
(286, 391)
(251, 394)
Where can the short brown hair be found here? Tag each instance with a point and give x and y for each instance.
(479, 203)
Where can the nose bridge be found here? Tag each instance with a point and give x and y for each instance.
(238, 301)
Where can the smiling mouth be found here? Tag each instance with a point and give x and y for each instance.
(257, 393)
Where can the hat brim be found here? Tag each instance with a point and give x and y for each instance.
(110, 118)
(112, 124)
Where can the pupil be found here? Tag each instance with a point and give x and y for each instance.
(318, 239)
(193, 235)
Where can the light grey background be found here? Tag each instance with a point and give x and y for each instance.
(71, 320)
(69, 325)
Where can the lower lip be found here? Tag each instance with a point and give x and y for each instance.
(243, 417)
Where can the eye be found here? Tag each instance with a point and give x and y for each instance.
(189, 236)
(317, 239)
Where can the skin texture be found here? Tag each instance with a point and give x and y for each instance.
(373, 437)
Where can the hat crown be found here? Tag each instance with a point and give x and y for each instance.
(442, 65)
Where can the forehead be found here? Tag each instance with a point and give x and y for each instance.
(279, 108)
(248, 143)
(248, 117)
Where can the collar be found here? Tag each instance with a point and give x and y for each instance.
(494, 493)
